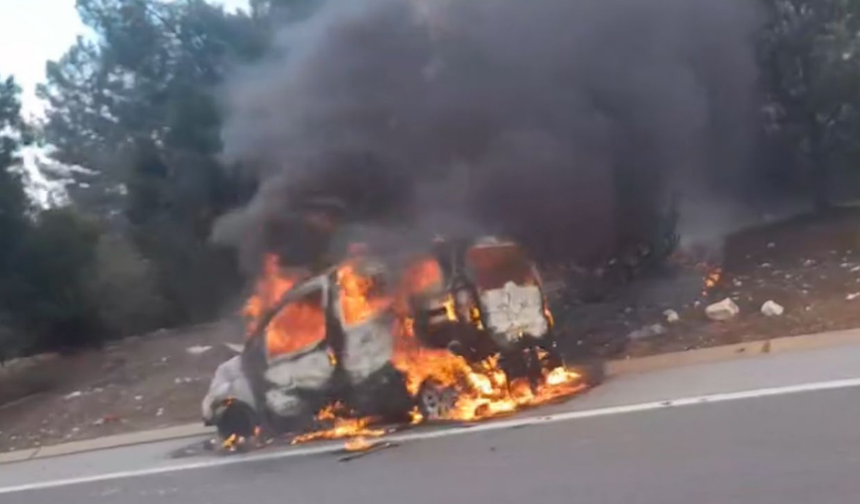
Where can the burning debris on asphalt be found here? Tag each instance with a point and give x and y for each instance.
(357, 444)
(343, 428)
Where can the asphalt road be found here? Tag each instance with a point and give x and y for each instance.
(783, 446)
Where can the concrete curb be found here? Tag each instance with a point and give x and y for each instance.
(731, 352)
(613, 368)
(103, 443)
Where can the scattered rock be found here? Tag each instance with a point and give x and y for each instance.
(722, 311)
(107, 419)
(671, 316)
(772, 309)
(852, 296)
(198, 349)
(647, 332)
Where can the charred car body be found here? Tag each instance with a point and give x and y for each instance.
(334, 338)
(490, 303)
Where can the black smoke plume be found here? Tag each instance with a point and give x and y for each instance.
(568, 124)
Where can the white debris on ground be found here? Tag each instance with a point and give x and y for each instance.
(722, 311)
(76, 393)
(671, 316)
(772, 309)
(199, 349)
(647, 332)
(852, 296)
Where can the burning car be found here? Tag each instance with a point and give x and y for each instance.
(460, 332)
(489, 302)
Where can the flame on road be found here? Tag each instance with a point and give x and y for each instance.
(343, 428)
(357, 444)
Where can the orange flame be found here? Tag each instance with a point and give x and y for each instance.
(232, 443)
(270, 287)
(361, 299)
(297, 326)
(482, 389)
(357, 444)
(712, 279)
(422, 275)
(343, 428)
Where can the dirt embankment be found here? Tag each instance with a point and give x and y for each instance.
(809, 265)
(136, 384)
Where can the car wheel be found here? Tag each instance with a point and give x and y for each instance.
(237, 418)
(436, 401)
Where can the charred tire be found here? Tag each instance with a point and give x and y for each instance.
(236, 418)
(383, 394)
(436, 401)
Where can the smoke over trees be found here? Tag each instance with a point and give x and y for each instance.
(810, 69)
(569, 125)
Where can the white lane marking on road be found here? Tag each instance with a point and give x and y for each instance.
(416, 436)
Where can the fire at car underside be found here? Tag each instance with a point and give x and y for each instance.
(460, 333)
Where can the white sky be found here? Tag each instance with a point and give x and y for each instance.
(35, 31)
